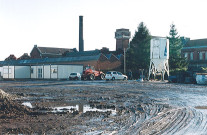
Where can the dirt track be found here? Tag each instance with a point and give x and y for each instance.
(106, 107)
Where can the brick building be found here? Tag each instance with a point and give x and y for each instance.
(101, 61)
(94, 58)
(196, 53)
(49, 52)
(122, 39)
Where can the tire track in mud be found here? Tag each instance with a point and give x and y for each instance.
(196, 125)
(144, 110)
(185, 121)
(158, 118)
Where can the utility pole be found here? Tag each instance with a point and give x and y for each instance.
(124, 60)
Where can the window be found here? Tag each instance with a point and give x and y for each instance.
(108, 73)
(201, 55)
(206, 56)
(191, 56)
(39, 72)
(119, 73)
(32, 70)
(7, 71)
(54, 70)
(114, 73)
(186, 55)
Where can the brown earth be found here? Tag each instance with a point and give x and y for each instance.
(99, 107)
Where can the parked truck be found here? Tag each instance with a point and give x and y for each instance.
(89, 73)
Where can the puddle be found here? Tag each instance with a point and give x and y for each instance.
(82, 108)
(28, 104)
(87, 108)
(70, 109)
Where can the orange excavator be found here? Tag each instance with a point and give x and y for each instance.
(89, 73)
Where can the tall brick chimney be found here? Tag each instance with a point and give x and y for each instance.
(81, 41)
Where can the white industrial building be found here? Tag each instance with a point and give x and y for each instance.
(48, 68)
(54, 71)
(39, 71)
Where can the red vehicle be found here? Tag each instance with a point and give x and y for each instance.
(90, 73)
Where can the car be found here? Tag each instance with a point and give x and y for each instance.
(115, 75)
(75, 76)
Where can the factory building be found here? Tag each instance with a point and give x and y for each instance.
(58, 63)
(49, 52)
(195, 51)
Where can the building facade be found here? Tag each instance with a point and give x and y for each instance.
(49, 52)
(195, 51)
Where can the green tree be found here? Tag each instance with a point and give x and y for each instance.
(138, 55)
(175, 46)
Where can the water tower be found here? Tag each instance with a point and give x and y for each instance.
(159, 56)
(122, 38)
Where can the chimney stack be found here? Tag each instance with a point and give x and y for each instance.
(81, 42)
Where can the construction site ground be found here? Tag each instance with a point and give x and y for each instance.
(102, 107)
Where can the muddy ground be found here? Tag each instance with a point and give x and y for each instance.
(103, 107)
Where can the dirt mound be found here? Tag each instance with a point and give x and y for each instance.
(10, 108)
(4, 95)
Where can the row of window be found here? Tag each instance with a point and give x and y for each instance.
(201, 55)
(53, 70)
(186, 55)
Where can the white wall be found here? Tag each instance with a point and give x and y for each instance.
(65, 70)
(33, 72)
(47, 71)
(39, 76)
(22, 72)
(1, 71)
(54, 71)
(159, 48)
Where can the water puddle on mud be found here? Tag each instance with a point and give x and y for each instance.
(87, 108)
(78, 107)
(70, 109)
(28, 104)
(82, 108)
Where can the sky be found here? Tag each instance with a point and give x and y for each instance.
(55, 23)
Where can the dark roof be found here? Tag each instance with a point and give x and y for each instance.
(108, 55)
(51, 50)
(112, 57)
(197, 42)
(84, 53)
(120, 56)
(1, 63)
(51, 60)
(157, 37)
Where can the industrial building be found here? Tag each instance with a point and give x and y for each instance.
(58, 63)
(196, 53)
(42, 68)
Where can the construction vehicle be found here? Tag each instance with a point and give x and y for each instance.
(89, 73)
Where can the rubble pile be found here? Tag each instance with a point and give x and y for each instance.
(4, 95)
(10, 108)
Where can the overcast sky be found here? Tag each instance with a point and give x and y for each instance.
(55, 23)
